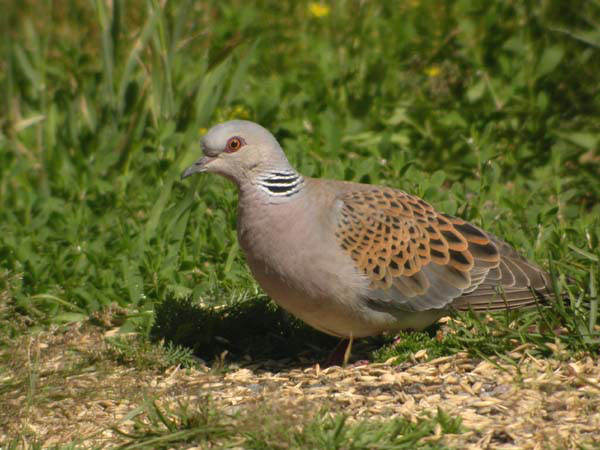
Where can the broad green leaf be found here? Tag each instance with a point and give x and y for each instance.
(549, 61)
(476, 91)
(133, 280)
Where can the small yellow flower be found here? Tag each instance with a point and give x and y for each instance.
(433, 71)
(202, 131)
(240, 112)
(318, 10)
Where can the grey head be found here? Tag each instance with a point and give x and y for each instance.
(241, 151)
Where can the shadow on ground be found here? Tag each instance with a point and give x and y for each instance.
(249, 330)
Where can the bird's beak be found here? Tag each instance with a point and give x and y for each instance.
(198, 167)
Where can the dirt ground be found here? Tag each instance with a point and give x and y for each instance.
(59, 388)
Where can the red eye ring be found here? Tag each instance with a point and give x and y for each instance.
(234, 144)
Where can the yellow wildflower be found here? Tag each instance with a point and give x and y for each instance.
(318, 10)
(202, 131)
(240, 112)
(433, 71)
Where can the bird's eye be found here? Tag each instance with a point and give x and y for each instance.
(234, 144)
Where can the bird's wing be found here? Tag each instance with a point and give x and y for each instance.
(515, 283)
(418, 259)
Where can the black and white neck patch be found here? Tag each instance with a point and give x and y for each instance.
(281, 183)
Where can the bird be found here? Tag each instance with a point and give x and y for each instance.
(355, 260)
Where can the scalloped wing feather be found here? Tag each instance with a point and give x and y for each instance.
(418, 259)
(515, 283)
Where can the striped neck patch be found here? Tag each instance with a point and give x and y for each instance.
(281, 183)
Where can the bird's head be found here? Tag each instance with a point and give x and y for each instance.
(238, 150)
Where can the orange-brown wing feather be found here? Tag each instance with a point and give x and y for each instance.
(515, 283)
(417, 258)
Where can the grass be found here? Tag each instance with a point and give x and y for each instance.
(488, 110)
(203, 425)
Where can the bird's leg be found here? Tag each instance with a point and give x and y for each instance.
(338, 354)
